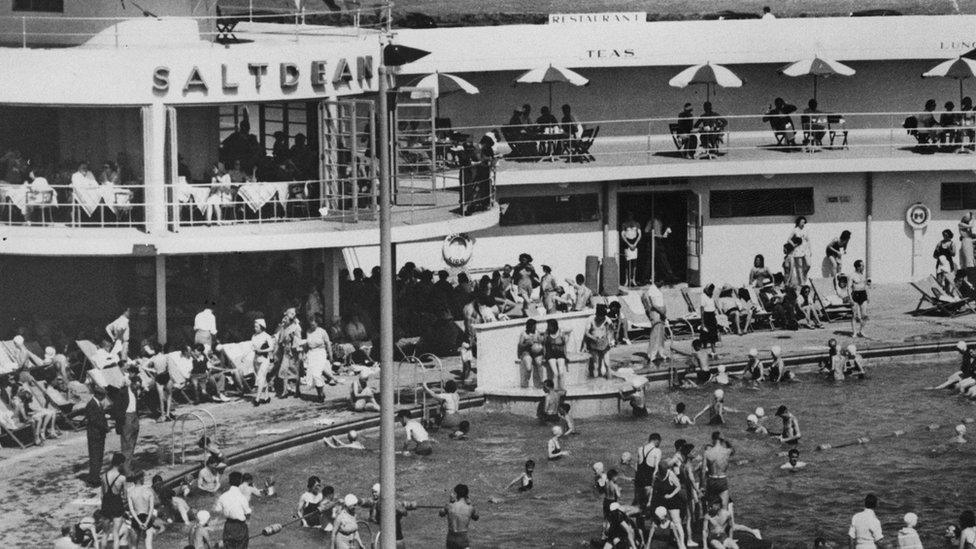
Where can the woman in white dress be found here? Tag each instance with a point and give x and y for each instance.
(630, 234)
(263, 345)
(801, 251)
(318, 357)
(967, 232)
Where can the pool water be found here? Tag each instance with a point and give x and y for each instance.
(919, 472)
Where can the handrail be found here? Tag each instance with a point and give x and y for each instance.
(117, 205)
(181, 421)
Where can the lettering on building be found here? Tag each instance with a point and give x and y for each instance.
(957, 45)
(232, 78)
(609, 54)
(597, 18)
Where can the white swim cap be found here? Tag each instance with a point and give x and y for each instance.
(376, 487)
(557, 430)
(353, 434)
(962, 346)
(626, 457)
(203, 517)
(721, 368)
(350, 500)
(851, 349)
(752, 418)
(960, 429)
(660, 512)
(911, 519)
(364, 374)
(18, 340)
(760, 412)
(719, 394)
(638, 381)
(776, 350)
(598, 467)
(753, 352)
(615, 506)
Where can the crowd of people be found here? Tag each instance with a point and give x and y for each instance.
(944, 131)
(547, 137)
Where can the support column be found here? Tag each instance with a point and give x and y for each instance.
(161, 299)
(332, 264)
(868, 217)
(154, 166)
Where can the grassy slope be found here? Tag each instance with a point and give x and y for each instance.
(488, 12)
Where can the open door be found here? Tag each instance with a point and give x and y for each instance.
(414, 158)
(694, 238)
(347, 159)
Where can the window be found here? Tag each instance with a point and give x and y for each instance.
(761, 202)
(538, 210)
(56, 6)
(958, 196)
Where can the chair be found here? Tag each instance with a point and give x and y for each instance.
(680, 316)
(122, 198)
(686, 143)
(938, 304)
(64, 409)
(836, 125)
(692, 297)
(580, 151)
(814, 125)
(297, 203)
(43, 201)
(631, 309)
(760, 314)
(822, 289)
(90, 351)
(13, 427)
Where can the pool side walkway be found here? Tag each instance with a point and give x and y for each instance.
(42, 490)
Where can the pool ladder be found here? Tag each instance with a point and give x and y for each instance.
(197, 415)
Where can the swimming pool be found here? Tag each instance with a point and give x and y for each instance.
(561, 511)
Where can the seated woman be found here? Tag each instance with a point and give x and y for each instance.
(221, 193)
(747, 308)
(728, 304)
(361, 395)
(29, 410)
(809, 308)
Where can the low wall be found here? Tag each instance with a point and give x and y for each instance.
(498, 342)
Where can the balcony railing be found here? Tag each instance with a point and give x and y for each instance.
(64, 205)
(741, 137)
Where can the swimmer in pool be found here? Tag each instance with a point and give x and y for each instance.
(352, 442)
(721, 377)
(960, 437)
(755, 370)
(716, 410)
(635, 395)
(524, 481)
(777, 369)
(554, 450)
(854, 363)
(794, 464)
(791, 427)
(966, 376)
(462, 431)
(715, 468)
(681, 419)
(753, 426)
(833, 366)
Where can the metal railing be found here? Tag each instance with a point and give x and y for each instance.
(748, 137)
(65, 205)
(47, 30)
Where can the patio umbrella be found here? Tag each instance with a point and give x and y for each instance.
(959, 68)
(707, 74)
(442, 83)
(816, 67)
(552, 75)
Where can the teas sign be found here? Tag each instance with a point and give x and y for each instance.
(918, 216)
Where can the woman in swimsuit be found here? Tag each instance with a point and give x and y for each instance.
(113, 497)
(531, 353)
(675, 500)
(597, 340)
(555, 346)
(308, 503)
(859, 295)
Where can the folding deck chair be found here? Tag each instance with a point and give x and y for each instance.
(680, 316)
(938, 303)
(64, 409)
(632, 309)
(822, 289)
(12, 428)
(580, 151)
(90, 350)
(760, 314)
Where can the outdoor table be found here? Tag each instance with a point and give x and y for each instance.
(256, 195)
(198, 194)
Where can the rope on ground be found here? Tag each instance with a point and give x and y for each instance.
(893, 434)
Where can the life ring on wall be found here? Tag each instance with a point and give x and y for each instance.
(457, 249)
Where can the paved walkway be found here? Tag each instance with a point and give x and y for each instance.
(41, 489)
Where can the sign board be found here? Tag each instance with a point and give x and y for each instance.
(918, 216)
(628, 17)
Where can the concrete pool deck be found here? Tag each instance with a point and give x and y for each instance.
(41, 488)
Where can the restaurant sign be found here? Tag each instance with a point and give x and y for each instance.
(287, 76)
(627, 17)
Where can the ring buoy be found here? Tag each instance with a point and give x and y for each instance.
(457, 249)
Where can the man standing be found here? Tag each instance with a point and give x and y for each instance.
(118, 335)
(656, 311)
(715, 469)
(127, 417)
(865, 531)
(459, 513)
(96, 427)
(648, 461)
(205, 327)
(233, 505)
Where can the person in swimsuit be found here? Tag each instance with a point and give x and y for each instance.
(361, 394)
(308, 503)
(859, 296)
(597, 340)
(113, 500)
(554, 451)
(524, 481)
(141, 505)
(548, 409)
(791, 427)
(555, 345)
(854, 363)
(777, 368)
(966, 376)
(345, 531)
(716, 410)
(753, 425)
(450, 403)
(755, 370)
(611, 492)
(531, 353)
(793, 464)
(717, 527)
(459, 513)
(263, 346)
(680, 418)
(630, 234)
(715, 468)
(833, 366)
(648, 462)
(836, 251)
(566, 420)
(636, 396)
(675, 500)
(620, 532)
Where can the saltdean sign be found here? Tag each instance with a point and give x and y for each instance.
(286, 76)
(628, 17)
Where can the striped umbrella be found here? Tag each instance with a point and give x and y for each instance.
(959, 68)
(552, 75)
(817, 67)
(707, 74)
(443, 84)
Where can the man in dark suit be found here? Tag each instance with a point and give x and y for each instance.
(126, 415)
(96, 427)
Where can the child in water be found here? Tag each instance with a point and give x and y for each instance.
(524, 481)
(777, 369)
(855, 364)
(794, 464)
(352, 443)
(681, 419)
(554, 450)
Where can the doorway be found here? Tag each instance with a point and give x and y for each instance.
(674, 216)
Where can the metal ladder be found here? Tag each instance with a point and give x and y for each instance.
(199, 415)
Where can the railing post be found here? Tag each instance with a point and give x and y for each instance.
(250, 11)
(891, 134)
(23, 32)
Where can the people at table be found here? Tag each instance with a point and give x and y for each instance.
(110, 174)
(684, 132)
(570, 125)
(780, 120)
(926, 120)
(221, 193)
(83, 178)
(950, 121)
(711, 127)
(968, 120)
(814, 124)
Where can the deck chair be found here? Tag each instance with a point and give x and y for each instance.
(65, 409)
(13, 428)
(686, 143)
(680, 317)
(90, 350)
(938, 304)
(760, 314)
(107, 377)
(692, 298)
(581, 147)
(632, 309)
(822, 288)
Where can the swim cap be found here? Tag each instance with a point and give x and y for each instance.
(557, 430)
(660, 512)
(638, 381)
(851, 349)
(721, 368)
(760, 412)
(350, 500)
(615, 506)
(18, 340)
(598, 467)
(376, 487)
(962, 347)
(203, 517)
(625, 457)
(719, 394)
(776, 350)
(961, 429)
(752, 418)
(753, 352)
(353, 434)
(911, 519)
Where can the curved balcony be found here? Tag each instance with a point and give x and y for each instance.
(253, 216)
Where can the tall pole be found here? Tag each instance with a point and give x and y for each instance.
(387, 441)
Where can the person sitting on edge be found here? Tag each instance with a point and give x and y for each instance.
(966, 376)
(524, 481)
(554, 450)
(361, 395)
(794, 463)
(417, 440)
(777, 369)
(548, 409)
(755, 370)
(208, 481)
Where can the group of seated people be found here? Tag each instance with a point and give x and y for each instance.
(815, 125)
(947, 130)
(547, 137)
(708, 131)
